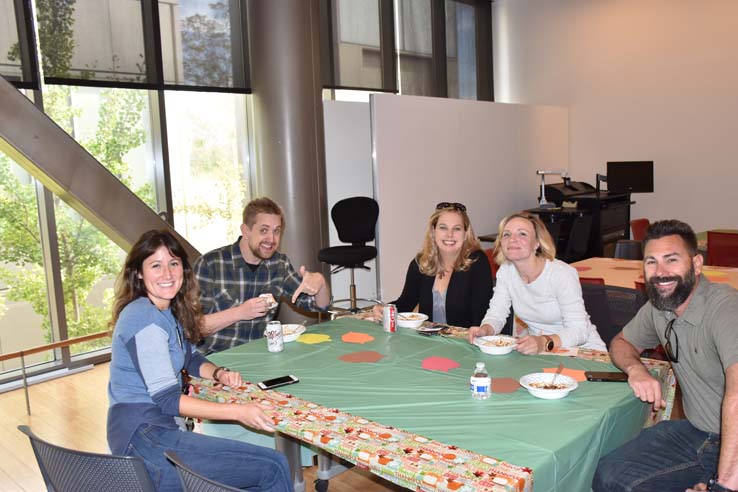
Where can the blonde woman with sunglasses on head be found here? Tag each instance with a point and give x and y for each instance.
(450, 278)
(544, 292)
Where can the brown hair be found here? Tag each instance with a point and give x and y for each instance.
(258, 206)
(546, 248)
(129, 287)
(429, 259)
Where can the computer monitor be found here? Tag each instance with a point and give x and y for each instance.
(630, 177)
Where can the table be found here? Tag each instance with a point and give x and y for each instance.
(624, 273)
(557, 442)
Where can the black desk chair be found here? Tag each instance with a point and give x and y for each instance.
(355, 219)
(629, 249)
(67, 470)
(610, 308)
(578, 241)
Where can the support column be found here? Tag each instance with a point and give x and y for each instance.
(289, 152)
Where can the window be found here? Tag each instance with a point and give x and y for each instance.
(24, 308)
(208, 165)
(415, 47)
(10, 60)
(461, 55)
(92, 40)
(202, 43)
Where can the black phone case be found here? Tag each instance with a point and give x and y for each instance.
(617, 377)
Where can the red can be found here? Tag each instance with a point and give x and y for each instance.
(389, 318)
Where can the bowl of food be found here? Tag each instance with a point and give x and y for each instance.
(495, 344)
(411, 320)
(548, 385)
(291, 332)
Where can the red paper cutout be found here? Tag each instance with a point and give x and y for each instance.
(355, 337)
(504, 385)
(436, 363)
(363, 356)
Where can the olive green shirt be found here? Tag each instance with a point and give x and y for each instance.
(708, 344)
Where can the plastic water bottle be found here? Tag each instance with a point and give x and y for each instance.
(480, 383)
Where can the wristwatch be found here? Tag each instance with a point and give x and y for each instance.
(714, 486)
(549, 343)
(217, 372)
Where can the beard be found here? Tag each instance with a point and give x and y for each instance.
(670, 302)
(257, 252)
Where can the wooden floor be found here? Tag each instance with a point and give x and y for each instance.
(71, 412)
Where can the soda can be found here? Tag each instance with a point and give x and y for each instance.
(275, 340)
(389, 318)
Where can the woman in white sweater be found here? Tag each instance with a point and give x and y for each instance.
(544, 292)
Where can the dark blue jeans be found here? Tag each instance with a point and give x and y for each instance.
(670, 456)
(235, 463)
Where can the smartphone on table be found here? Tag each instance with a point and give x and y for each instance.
(277, 382)
(612, 377)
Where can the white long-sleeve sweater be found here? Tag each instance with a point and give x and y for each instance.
(550, 305)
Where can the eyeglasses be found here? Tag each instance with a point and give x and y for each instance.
(671, 354)
(456, 206)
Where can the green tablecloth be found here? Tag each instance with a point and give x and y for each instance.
(561, 440)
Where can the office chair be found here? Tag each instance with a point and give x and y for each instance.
(194, 482)
(638, 227)
(610, 308)
(355, 219)
(578, 241)
(628, 249)
(722, 249)
(67, 470)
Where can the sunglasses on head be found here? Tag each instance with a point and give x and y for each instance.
(456, 206)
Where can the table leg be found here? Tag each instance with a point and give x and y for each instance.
(290, 447)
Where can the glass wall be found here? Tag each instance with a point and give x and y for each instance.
(24, 307)
(356, 48)
(208, 165)
(10, 65)
(414, 47)
(461, 54)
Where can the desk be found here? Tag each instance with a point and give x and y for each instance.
(624, 273)
(558, 442)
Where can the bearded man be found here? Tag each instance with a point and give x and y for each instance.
(697, 323)
(241, 284)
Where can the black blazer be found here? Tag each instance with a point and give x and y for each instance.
(467, 296)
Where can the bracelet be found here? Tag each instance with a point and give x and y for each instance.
(217, 371)
(714, 486)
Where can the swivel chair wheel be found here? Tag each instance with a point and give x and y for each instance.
(321, 485)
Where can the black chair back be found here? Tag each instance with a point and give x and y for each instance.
(610, 308)
(355, 219)
(629, 249)
(578, 241)
(194, 482)
(67, 470)
(554, 228)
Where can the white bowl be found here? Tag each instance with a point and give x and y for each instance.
(291, 332)
(411, 320)
(534, 384)
(495, 344)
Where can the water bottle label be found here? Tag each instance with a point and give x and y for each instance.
(479, 385)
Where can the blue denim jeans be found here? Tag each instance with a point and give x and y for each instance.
(235, 463)
(670, 456)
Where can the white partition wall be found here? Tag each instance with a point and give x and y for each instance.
(428, 150)
(348, 162)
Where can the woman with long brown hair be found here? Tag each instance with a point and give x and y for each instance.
(450, 278)
(157, 322)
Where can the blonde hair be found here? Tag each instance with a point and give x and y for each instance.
(546, 247)
(429, 259)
